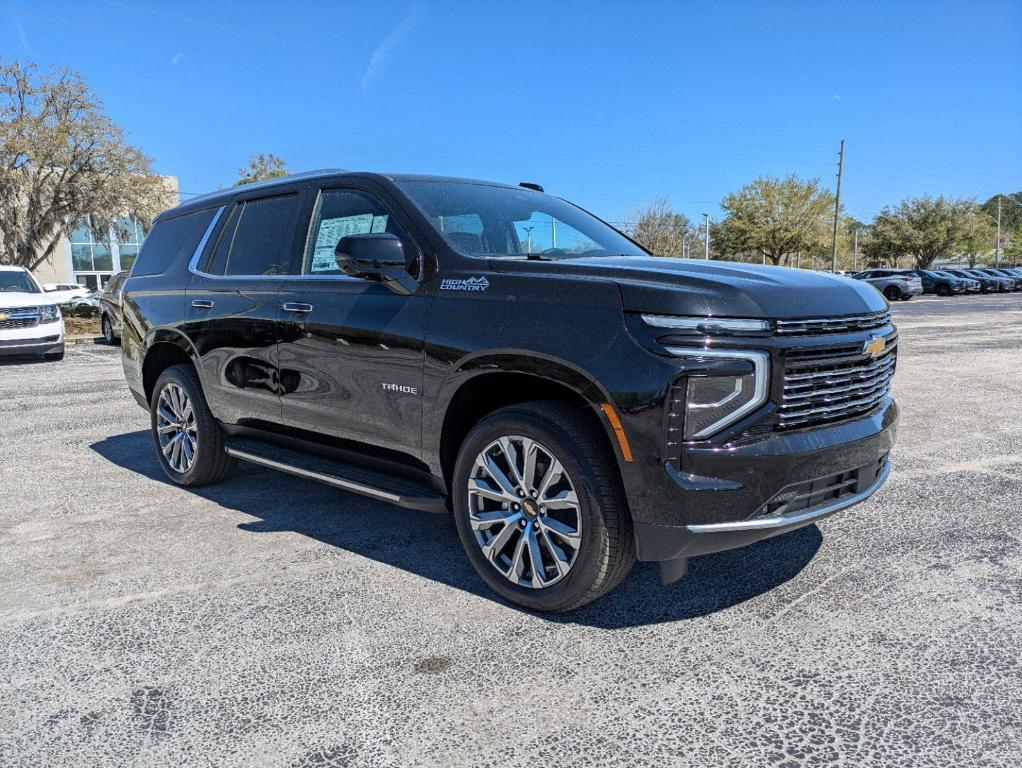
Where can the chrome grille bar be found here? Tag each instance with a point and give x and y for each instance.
(835, 388)
(832, 324)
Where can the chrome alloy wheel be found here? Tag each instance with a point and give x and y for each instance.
(524, 512)
(176, 428)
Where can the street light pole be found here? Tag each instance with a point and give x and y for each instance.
(837, 204)
(997, 245)
(706, 236)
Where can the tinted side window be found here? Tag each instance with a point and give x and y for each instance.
(170, 240)
(341, 212)
(262, 242)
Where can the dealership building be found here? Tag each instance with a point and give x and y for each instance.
(89, 260)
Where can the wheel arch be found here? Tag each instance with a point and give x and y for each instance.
(166, 348)
(488, 383)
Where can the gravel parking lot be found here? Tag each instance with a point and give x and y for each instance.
(273, 621)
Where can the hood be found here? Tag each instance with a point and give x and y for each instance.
(716, 288)
(18, 299)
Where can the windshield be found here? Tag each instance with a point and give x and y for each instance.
(16, 281)
(485, 220)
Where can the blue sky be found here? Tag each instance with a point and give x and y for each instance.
(608, 104)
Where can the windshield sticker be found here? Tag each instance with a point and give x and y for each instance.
(464, 284)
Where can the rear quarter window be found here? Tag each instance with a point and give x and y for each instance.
(170, 240)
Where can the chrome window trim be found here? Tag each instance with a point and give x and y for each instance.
(761, 371)
(193, 263)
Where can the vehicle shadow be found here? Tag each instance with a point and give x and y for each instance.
(428, 545)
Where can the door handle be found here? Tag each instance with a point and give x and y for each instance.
(202, 304)
(297, 306)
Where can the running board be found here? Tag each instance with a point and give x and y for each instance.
(375, 485)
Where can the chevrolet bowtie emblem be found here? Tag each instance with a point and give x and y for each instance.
(875, 346)
(3, 316)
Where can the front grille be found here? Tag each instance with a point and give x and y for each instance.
(847, 324)
(19, 317)
(810, 494)
(834, 383)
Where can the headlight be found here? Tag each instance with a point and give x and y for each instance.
(707, 326)
(49, 314)
(712, 401)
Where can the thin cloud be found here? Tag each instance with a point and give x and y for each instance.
(384, 53)
(21, 31)
(176, 58)
(837, 97)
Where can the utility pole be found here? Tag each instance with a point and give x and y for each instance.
(997, 245)
(837, 204)
(855, 250)
(706, 241)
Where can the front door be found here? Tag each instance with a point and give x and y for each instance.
(351, 350)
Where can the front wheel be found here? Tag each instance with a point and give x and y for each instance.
(188, 441)
(540, 509)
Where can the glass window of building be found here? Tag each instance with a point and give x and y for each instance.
(95, 257)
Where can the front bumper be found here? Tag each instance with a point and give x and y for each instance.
(730, 498)
(44, 339)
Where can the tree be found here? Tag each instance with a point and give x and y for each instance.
(660, 230)
(1011, 210)
(261, 167)
(775, 219)
(979, 234)
(62, 159)
(923, 228)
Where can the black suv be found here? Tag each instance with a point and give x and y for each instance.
(499, 353)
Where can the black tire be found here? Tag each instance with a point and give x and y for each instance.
(607, 549)
(211, 461)
(943, 290)
(906, 296)
(107, 327)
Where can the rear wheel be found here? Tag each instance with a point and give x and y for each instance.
(540, 509)
(943, 290)
(188, 441)
(108, 330)
(892, 293)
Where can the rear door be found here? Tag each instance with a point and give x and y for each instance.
(233, 309)
(351, 350)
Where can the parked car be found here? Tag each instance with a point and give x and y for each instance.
(1015, 273)
(1014, 282)
(972, 285)
(30, 323)
(110, 308)
(575, 402)
(987, 283)
(90, 299)
(892, 283)
(64, 293)
(935, 282)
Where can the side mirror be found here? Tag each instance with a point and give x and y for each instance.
(376, 256)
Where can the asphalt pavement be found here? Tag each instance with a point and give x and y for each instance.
(271, 621)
